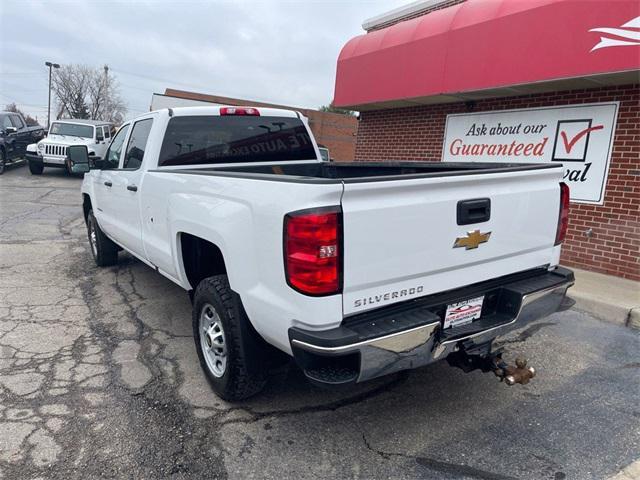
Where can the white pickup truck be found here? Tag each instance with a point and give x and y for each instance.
(357, 270)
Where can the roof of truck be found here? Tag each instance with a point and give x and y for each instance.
(82, 121)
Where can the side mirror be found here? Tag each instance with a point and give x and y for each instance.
(11, 130)
(98, 163)
(78, 157)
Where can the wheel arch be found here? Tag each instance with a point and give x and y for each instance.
(199, 258)
(86, 205)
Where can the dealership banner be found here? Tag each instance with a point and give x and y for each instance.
(580, 137)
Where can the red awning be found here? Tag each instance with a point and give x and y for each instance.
(492, 48)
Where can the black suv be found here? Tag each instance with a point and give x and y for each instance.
(15, 135)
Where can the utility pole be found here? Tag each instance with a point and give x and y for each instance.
(50, 65)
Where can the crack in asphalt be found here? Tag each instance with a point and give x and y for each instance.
(395, 380)
(439, 466)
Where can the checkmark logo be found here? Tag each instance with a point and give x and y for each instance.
(569, 144)
(572, 139)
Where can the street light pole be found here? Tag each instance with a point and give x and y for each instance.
(50, 65)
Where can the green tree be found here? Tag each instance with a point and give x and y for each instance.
(342, 111)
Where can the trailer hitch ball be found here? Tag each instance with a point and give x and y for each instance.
(519, 374)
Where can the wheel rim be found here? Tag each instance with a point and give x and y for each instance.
(92, 238)
(212, 341)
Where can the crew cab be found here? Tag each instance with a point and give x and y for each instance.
(15, 135)
(52, 151)
(356, 270)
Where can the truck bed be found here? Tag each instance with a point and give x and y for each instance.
(355, 172)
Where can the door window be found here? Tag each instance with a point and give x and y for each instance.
(107, 133)
(5, 122)
(99, 134)
(17, 121)
(137, 144)
(115, 149)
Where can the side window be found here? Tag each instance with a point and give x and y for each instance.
(5, 122)
(137, 144)
(107, 133)
(99, 134)
(115, 149)
(17, 121)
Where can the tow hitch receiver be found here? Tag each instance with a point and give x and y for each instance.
(481, 358)
(519, 373)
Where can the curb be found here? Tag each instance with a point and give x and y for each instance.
(630, 472)
(608, 298)
(605, 311)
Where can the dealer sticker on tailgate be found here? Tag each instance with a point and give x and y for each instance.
(463, 312)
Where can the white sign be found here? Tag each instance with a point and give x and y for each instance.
(578, 136)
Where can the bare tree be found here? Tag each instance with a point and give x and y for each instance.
(104, 97)
(85, 92)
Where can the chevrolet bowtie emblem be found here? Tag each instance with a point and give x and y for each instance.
(472, 240)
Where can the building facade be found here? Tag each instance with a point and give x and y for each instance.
(507, 81)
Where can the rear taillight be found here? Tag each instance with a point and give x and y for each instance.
(563, 216)
(313, 251)
(239, 111)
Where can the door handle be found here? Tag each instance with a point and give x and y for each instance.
(477, 210)
(132, 188)
(108, 184)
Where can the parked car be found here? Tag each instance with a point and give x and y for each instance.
(15, 135)
(52, 151)
(357, 270)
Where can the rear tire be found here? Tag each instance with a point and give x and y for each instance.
(3, 161)
(35, 168)
(104, 251)
(233, 356)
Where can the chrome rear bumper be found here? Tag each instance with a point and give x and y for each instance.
(340, 357)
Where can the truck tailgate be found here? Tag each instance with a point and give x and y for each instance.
(399, 234)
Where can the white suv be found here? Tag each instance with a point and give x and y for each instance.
(52, 150)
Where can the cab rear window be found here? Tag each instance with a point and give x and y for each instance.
(198, 140)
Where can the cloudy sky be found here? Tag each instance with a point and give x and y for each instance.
(278, 51)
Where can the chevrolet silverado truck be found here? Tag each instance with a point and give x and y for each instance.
(52, 151)
(15, 135)
(356, 270)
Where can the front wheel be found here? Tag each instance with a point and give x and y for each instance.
(35, 168)
(103, 250)
(232, 354)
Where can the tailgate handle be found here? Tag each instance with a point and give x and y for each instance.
(477, 210)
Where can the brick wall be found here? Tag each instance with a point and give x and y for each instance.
(416, 133)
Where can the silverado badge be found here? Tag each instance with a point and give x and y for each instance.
(472, 240)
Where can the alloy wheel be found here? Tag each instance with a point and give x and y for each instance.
(212, 341)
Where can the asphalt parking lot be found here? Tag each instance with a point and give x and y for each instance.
(99, 379)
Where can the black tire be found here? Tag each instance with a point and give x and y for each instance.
(247, 354)
(36, 168)
(103, 250)
(3, 161)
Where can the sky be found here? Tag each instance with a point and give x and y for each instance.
(274, 51)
